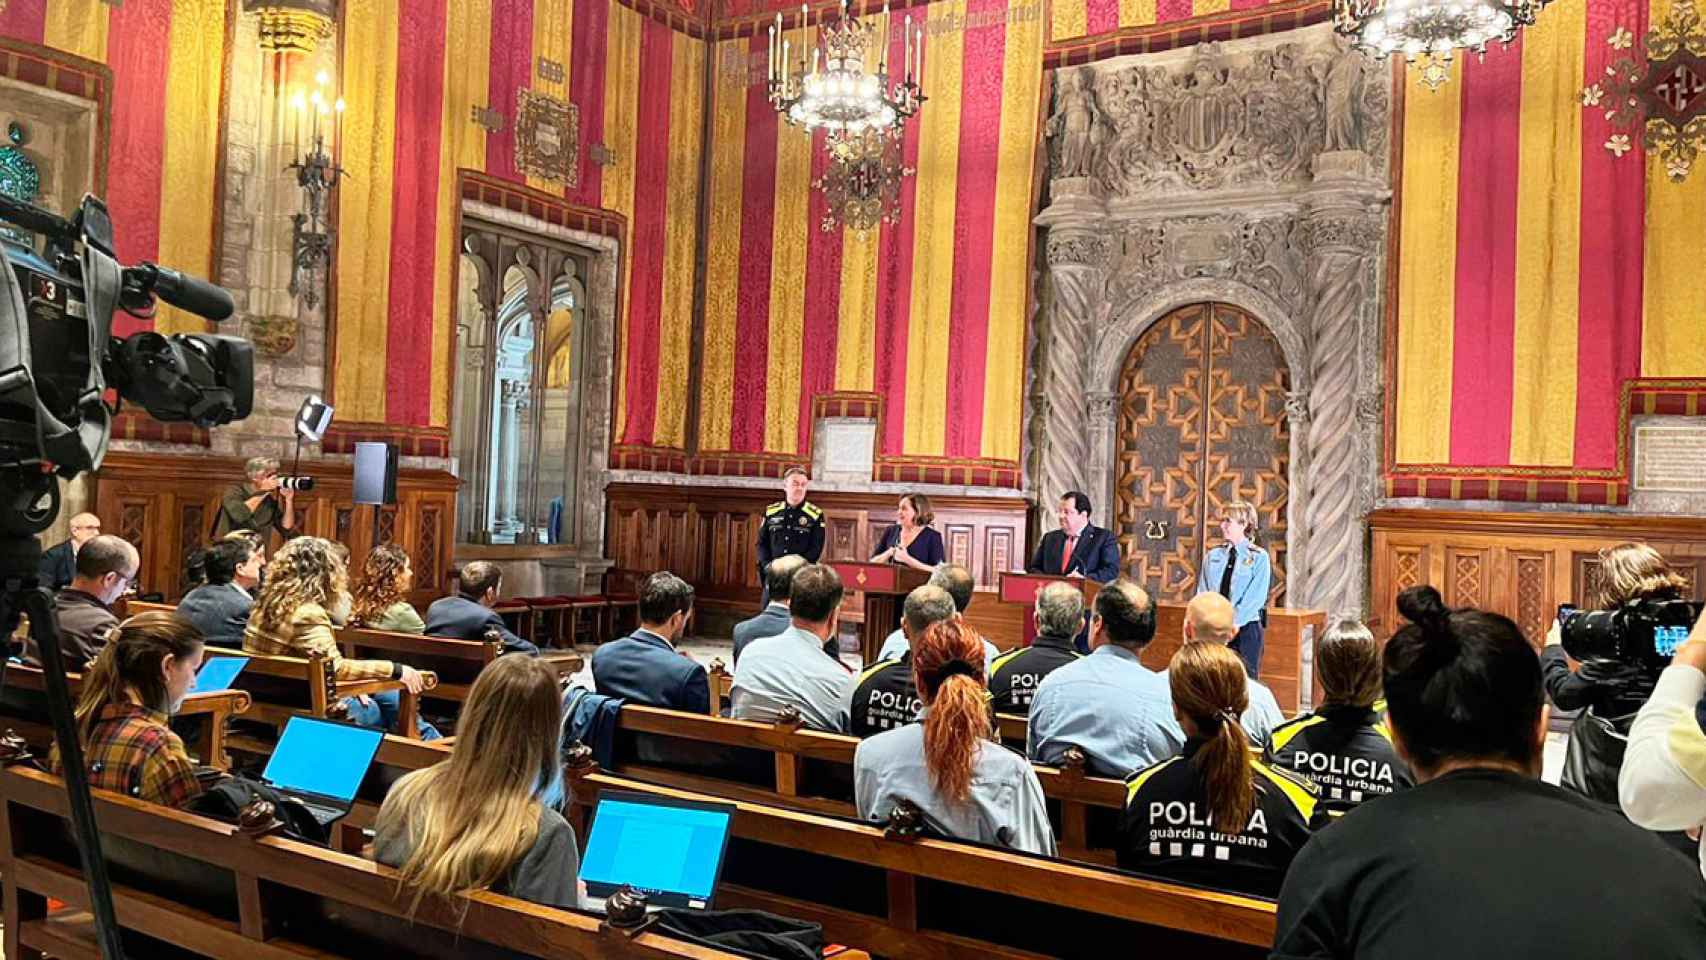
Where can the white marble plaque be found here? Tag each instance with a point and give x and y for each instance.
(1671, 457)
(846, 448)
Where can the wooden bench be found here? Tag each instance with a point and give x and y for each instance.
(206, 887)
(457, 663)
(284, 687)
(810, 770)
(24, 704)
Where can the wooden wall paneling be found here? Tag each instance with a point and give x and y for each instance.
(1466, 571)
(957, 539)
(1533, 590)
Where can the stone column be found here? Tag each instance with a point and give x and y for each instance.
(1077, 252)
(1341, 232)
(513, 401)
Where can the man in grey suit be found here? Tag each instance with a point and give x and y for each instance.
(220, 607)
(774, 618)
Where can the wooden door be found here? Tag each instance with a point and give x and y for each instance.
(1202, 423)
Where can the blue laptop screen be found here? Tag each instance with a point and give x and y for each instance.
(315, 756)
(216, 673)
(661, 849)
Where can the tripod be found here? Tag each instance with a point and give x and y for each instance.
(20, 593)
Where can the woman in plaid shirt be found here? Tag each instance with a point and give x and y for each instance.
(305, 580)
(139, 680)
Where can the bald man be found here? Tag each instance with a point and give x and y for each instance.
(59, 562)
(1211, 618)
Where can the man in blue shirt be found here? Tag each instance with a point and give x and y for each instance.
(958, 582)
(791, 669)
(644, 667)
(1110, 706)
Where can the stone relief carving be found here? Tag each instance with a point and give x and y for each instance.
(1255, 252)
(1221, 121)
(1080, 249)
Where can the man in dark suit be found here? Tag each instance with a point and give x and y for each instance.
(774, 618)
(645, 667)
(59, 562)
(220, 607)
(1078, 548)
(470, 615)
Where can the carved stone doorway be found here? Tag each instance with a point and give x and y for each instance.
(1202, 422)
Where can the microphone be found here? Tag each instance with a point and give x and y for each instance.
(186, 292)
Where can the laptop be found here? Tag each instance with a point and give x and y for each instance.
(670, 850)
(216, 673)
(321, 764)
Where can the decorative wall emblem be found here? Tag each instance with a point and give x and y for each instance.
(547, 138)
(1255, 252)
(1666, 88)
(487, 119)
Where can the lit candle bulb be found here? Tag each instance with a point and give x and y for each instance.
(906, 40)
(338, 130)
(770, 52)
(785, 51)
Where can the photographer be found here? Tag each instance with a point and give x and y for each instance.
(1606, 694)
(1663, 782)
(259, 503)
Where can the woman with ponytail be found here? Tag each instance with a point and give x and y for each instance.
(967, 786)
(128, 697)
(1481, 859)
(1215, 815)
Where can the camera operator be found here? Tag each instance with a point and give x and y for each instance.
(259, 503)
(1606, 694)
(1663, 782)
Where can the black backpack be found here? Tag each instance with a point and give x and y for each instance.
(752, 933)
(225, 799)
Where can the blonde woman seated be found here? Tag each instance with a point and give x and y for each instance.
(128, 698)
(305, 580)
(967, 786)
(386, 578)
(486, 819)
(1214, 815)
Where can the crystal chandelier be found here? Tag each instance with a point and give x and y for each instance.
(1429, 32)
(862, 113)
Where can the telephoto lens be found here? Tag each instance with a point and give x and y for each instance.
(298, 484)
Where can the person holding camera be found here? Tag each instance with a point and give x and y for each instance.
(262, 502)
(1606, 692)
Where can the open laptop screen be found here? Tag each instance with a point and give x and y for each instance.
(216, 673)
(321, 757)
(671, 850)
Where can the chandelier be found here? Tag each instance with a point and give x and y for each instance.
(862, 113)
(1429, 32)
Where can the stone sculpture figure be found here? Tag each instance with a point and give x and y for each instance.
(1339, 96)
(1074, 122)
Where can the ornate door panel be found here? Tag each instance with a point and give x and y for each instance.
(1202, 423)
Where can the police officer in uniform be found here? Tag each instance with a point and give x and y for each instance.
(790, 526)
(885, 696)
(1185, 820)
(1343, 746)
(1015, 675)
(1240, 571)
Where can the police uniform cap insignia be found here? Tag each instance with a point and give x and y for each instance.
(776, 507)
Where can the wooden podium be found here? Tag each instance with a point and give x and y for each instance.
(884, 586)
(1024, 587)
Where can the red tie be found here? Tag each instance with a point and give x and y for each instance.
(1066, 556)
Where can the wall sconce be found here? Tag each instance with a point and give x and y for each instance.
(318, 115)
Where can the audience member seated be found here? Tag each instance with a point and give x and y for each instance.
(377, 601)
(106, 567)
(290, 619)
(487, 818)
(1016, 674)
(1108, 705)
(1343, 746)
(885, 695)
(1211, 618)
(791, 669)
(644, 667)
(59, 562)
(1481, 859)
(340, 610)
(774, 618)
(469, 615)
(126, 705)
(967, 786)
(220, 607)
(957, 580)
(1215, 815)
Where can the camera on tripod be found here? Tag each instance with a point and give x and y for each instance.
(1644, 633)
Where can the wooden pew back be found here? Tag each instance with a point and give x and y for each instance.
(206, 887)
(24, 705)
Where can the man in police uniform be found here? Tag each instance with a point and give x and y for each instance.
(1016, 674)
(885, 696)
(790, 526)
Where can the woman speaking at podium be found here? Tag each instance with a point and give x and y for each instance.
(912, 541)
(1241, 572)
